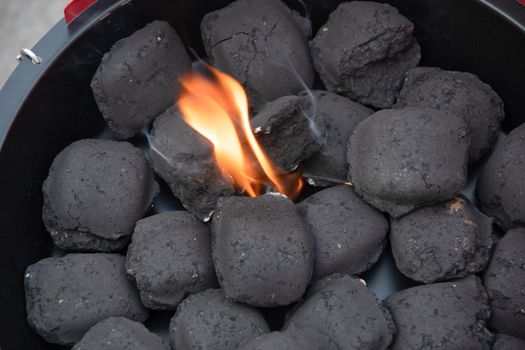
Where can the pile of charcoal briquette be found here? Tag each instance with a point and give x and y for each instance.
(386, 145)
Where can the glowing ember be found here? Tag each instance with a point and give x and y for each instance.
(217, 108)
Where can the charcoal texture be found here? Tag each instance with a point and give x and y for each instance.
(462, 94)
(263, 45)
(184, 159)
(447, 315)
(505, 282)
(397, 158)
(443, 241)
(94, 194)
(342, 309)
(500, 187)
(170, 256)
(364, 51)
(66, 296)
(289, 340)
(119, 333)
(210, 321)
(349, 234)
(341, 116)
(505, 342)
(138, 78)
(289, 130)
(261, 250)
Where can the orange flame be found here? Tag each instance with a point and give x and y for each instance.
(217, 108)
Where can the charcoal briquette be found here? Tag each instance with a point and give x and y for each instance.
(505, 282)
(346, 312)
(289, 340)
(138, 78)
(443, 241)
(446, 315)
(262, 252)
(119, 333)
(170, 256)
(506, 342)
(349, 234)
(397, 158)
(363, 52)
(66, 296)
(94, 194)
(263, 45)
(208, 320)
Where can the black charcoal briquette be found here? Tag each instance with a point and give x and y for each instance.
(506, 342)
(138, 78)
(169, 256)
(94, 194)
(462, 94)
(447, 315)
(289, 131)
(363, 52)
(263, 45)
(208, 320)
(505, 282)
(397, 158)
(289, 340)
(66, 296)
(346, 312)
(443, 241)
(501, 185)
(349, 234)
(262, 252)
(119, 333)
(184, 159)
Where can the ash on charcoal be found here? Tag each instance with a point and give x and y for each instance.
(342, 309)
(500, 187)
(349, 234)
(289, 340)
(288, 131)
(443, 241)
(263, 45)
(464, 95)
(505, 282)
(138, 78)
(506, 342)
(261, 250)
(447, 315)
(94, 194)
(66, 296)
(208, 320)
(341, 116)
(396, 158)
(169, 256)
(184, 159)
(119, 333)
(363, 52)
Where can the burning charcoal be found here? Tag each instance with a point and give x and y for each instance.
(169, 256)
(444, 241)
(505, 282)
(363, 52)
(288, 130)
(500, 188)
(505, 342)
(448, 315)
(137, 78)
(349, 234)
(95, 193)
(262, 253)
(289, 340)
(397, 158)
(263, 45)
(119, 333)
(342, 308)
(464, 95)
(341, 117)
(210, 321)
(185, 161)
(66, 296)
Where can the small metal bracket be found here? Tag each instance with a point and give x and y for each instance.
(35, 59)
